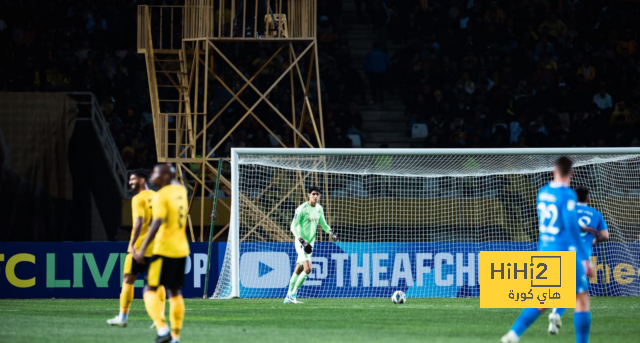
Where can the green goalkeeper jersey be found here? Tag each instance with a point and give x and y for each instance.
(306, 220)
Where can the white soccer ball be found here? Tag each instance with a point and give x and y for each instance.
(399, 297)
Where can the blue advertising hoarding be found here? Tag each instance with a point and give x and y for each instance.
(419, 269)
(88, 270)
(94, 269)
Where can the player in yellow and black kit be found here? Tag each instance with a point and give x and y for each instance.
(141, 211)
(170, 251)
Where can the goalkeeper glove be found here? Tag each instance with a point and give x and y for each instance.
(335, 237)
(306, 246)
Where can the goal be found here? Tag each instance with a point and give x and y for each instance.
(415, 220)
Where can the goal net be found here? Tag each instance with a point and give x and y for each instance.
(415, 220)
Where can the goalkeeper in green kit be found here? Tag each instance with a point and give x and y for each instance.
(304, 227)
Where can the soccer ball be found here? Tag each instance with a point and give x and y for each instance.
(399, 297)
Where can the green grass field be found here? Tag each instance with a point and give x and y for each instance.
(317, 320)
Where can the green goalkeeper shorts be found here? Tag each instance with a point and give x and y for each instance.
(302, 256)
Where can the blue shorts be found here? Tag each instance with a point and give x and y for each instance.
(582, 281)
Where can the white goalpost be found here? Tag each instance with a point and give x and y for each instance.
(415, 219)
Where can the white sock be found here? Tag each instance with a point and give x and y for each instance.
(163, 331)
(124, 316)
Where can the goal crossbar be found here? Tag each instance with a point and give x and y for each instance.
(435, 152)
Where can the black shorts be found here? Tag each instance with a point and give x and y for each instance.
(132, 267)
(166, 271)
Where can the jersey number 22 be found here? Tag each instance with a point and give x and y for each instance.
(548, 218)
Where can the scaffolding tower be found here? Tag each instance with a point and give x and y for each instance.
(186, 53)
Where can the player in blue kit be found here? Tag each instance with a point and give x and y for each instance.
(560, 231)
(588, 217)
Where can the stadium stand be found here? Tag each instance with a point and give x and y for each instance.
(533, 73)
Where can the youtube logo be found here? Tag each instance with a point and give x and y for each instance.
(265, 269)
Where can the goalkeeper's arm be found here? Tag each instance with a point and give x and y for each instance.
(326, 228)
(305, 245)
(295, 225)
(295, 228)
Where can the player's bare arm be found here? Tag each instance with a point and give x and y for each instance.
(137, 227)
(153, 230)
(602, 236)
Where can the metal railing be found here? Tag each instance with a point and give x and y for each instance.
(200, 19)
(108, 144)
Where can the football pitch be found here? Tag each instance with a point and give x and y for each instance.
(317, 320)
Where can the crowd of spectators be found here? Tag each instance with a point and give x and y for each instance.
(81, 46)
(90, 46)
(530, 73)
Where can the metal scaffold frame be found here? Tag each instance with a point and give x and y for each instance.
(183, 45)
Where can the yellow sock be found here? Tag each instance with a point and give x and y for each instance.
(176, 311)
(162, 294)
(152, 303)
(126, 297)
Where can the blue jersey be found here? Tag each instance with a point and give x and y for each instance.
(589, 217)
(558, 220)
